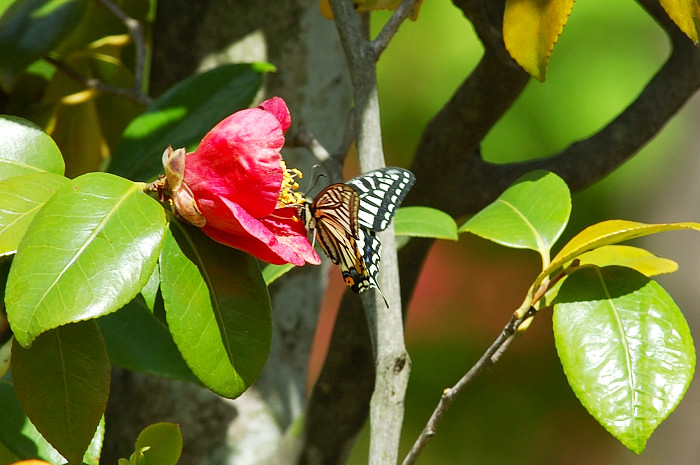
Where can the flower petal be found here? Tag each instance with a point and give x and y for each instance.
(278, 108)
(279, 238)
(239, 159)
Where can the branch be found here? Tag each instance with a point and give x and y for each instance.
(332, 162)
(135, 93)
(489, 358)
(136, 33)
(392, 26)
(392, 364)
(97, 85)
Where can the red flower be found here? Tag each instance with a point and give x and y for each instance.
(235, 186)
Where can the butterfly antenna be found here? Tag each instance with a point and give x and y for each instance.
(386, 302)
(315, 178)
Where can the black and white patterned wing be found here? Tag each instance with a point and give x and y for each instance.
(370, 248)
(381, 192)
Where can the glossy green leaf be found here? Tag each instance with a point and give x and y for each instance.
(21, 198)
(530, 214)
(29, 29)
(16, 431)
(217, 307)
(626, 349)
(137, 341)
(62, 383)
(161, 444)
(272, 272)
(150, 290)
(183, 115)
(87, 253)
(26, 149)
(425, 222)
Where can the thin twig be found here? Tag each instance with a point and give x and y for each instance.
(449, 395)
(136, 33)
(304, 138)
(95, 84)
(392, 26)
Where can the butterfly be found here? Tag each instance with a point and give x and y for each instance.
(346, 216)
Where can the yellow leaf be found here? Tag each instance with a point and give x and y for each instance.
(530, 30)
(364, 6)
(632, 257)
(686, 15)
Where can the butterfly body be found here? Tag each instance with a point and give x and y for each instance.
(345, 216)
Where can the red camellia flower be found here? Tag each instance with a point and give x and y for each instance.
(236, 187)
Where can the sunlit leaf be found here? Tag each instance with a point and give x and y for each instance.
(628, 256)
(626, 349)
(31, 28)
(631, 257)
(272, 272)
(161, 443)
(217, 307)
(150, 290)
(425, 222)
(88, 252)
(530, 30)
(530, 214)
(686, 15)
(21, 198)
(26, 149)
(183, 115)
(610, 232)
(62, 383)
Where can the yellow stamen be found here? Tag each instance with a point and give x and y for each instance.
(287, 197)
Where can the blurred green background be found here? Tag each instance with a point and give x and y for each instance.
(522, 411)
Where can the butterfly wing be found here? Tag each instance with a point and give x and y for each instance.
(346, 216)
(333, 216)
(381, 192)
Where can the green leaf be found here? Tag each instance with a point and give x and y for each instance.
(18, 434)
(21, 198)
(31, 28)
(626, 349)
(161, 443)
(137, 341)
(150, 290)
(217, 308)
(183, 115)
(62, 383)
(271, 272)
(88, 252)
(530, 214)
(26, 149)
(425, 222)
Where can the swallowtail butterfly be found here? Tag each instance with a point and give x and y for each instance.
(345, 218)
